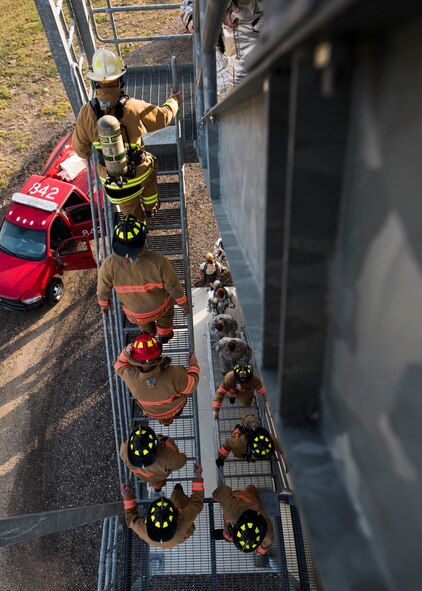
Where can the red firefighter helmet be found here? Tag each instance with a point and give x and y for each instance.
(146, 348)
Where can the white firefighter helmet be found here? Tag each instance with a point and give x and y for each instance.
(106, 66)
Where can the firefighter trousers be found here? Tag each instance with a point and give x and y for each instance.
(162, 326)
(147, 200)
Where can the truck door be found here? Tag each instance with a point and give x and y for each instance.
(75, 253)
(80, 219)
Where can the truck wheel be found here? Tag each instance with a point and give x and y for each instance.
(54, 291)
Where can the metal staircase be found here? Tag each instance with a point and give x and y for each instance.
(127, 563)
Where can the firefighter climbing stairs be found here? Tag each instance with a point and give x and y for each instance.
(126, 562)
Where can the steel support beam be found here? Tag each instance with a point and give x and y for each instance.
(277, 88)
(27, 527)
(59, 49)
(318, 130)
(84, 28)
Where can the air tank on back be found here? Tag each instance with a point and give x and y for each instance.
(113, 148)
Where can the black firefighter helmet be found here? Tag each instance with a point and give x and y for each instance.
(129, 237)
(249, 531)
(260, 443)
(161, 520)
(142, 446)
(243, 371)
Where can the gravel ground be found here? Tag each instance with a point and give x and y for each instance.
(56, 435)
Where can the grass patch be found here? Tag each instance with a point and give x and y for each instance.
(55, 113)
(5, 93)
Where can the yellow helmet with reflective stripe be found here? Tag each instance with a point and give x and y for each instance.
(142, 446)
(106, 66)
(129, 237)
(161, 520)
(249, 531)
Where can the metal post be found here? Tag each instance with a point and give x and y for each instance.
(300, 549)
(183, 218)
(81, 14)
(102, 554)
(59, 48)
(214, 579)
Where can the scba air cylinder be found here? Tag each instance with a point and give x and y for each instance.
(113, 148)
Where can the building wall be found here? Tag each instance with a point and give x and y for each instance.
(372, 394)
(243, 180)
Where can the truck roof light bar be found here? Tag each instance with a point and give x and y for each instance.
(34, 202)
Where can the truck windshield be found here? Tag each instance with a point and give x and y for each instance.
(23, 243)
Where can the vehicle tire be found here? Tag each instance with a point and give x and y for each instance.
(54, 291)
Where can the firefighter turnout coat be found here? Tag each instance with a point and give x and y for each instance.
(169, 459)
(234, 503)
(238, 445)
(234, 389)
(161, 392)
(138, 118)
(146, 288)
(189, 508)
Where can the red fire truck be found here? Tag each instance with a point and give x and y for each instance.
(46, 231)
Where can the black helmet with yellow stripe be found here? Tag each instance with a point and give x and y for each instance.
(161, 520)
(261, 444)
(129, 237)
(243, 371)
(142, 446)
(249, 531)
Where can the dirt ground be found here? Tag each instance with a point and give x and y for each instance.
(56, 443)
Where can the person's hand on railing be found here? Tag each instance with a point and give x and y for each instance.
(127, 491)
(219, 462)
(186, 309)
(176, 95)
(106, 310)
(193, 358)
(129, 348)
(197, 471)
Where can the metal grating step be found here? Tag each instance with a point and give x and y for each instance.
(167, 245)
(153, 85)
(167, 164)
(165, 219)
(169, 192)
(180, 342)
(179, 322)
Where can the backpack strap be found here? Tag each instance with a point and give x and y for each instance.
(95, 106)
(118, 109)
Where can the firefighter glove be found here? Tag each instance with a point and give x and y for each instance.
(127, 491)
(219, 462)
(106, 310)
(186, 309)
(197, 471)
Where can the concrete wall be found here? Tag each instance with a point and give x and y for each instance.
(372, 395)
(243, 179)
